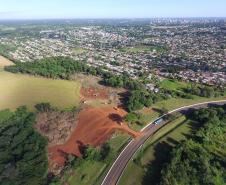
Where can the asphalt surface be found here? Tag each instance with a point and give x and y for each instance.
(133, 146)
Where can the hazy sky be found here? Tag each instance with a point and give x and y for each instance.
(39, 9)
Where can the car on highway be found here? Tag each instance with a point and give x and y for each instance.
(159, 121)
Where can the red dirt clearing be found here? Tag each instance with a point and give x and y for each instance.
(94, 93)
(95, 126)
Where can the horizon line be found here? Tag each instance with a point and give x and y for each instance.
(116, 18)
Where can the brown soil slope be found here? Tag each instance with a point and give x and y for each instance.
(95, 126)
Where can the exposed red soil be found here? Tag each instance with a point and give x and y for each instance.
(94, 93)
(95, 126)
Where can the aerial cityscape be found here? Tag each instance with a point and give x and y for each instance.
(103, 93)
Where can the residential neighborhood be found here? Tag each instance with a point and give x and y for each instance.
(196, 48)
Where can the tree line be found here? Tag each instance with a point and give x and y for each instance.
(204, 91)
(64, 67)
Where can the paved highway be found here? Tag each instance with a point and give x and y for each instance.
(120, 163)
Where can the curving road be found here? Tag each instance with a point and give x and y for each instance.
(120, 163)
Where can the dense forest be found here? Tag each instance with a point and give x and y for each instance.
(23, 156)
(201, 159)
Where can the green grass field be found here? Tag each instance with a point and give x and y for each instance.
(18, 89)
(174, 103)
(168, 136)
(173, 85)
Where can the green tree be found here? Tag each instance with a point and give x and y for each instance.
(23, 155)
(131, 117)
(43, 107)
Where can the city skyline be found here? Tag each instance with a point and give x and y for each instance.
(86, 9)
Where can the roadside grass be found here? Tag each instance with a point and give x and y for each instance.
(174, 103)
(117, 144)
(146, 118)
(174, 130)
(93, 172)
(86, 173)
(166, 138)
(17, 90)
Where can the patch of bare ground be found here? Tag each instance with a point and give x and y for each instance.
(94, 127)
(94, 93)
(92, 90)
